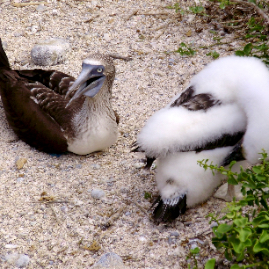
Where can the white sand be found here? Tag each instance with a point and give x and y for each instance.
(60, 234)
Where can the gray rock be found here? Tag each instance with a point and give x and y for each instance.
(222, 192)
(18, 260)
(40, 8)
(109, 260)
(4, 44)
(96, 166)
(50, 52)
(18, 34)
(97, 194)
(175, 234)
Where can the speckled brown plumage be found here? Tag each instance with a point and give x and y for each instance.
(196, 102)
(37, 106)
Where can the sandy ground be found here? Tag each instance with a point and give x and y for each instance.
(72, 231)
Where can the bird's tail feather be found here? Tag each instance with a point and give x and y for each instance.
(4, 63)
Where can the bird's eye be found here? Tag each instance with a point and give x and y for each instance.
(99, 70)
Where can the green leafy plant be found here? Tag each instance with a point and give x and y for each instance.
(213, 54)
(192, 256)
(185, 50)
(243, 232)
(196, 9)
(176, 7)
(147, 195)
(258, 48)
(210, 264)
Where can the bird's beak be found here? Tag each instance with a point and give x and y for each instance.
(89, 82)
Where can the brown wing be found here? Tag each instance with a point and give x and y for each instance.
(196, 102)
(57, 81)
(26, 117)
(54, 105)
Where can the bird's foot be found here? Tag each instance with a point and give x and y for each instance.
(169, 209)
(227, 192)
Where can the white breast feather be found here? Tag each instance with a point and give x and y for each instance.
(188, 177)
(97, 133)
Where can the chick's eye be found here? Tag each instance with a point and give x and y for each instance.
(99, 70)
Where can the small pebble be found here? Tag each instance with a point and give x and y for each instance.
(50, 52)
(213, 224)
(139, 165)
(194, 245)
(142, 238)
(175, 234)
(40, 8)
(97, 194)
(11, 246)
(4, 44)
(18, 34)
(20, 179)
(20, 162)
(18, 260)
(96, 166)
(109, 260)
(77, 202)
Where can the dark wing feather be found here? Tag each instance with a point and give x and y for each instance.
(236, 154)
(196, 102)
(226, 140)
(57, 81)
(184, 97)
(54, 105)
(27, 118)
(164, 212)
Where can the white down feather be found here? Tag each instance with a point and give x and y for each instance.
(241, 84)
(179, 174)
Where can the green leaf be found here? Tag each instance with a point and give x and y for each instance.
(244, 233)
(232, 181)
(224, 228)
(147, 195)
(261, 178)
(235, 266)
(258, 247)
(196, 9)
(264, 236)
(239, 53)
(264, 202)
(256, 169)
(260, 220)
(264, 225)
(210, 264)
(222, 5)
(239, 246)
(184, 50)
(241, 222)
(228, 255)
(195, 250)
(247, 49)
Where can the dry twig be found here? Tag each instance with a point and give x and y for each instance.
(138, 205)
(119, 57)
(131, 15)
(28, 4)
(92, 18)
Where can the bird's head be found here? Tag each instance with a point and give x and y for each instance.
(96, 69)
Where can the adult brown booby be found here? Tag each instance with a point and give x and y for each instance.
(55, 113)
